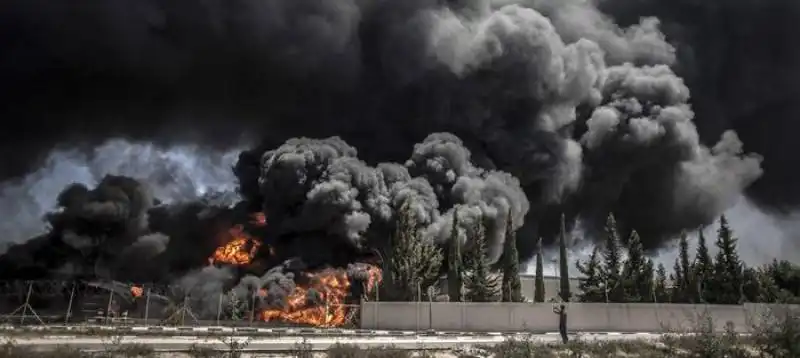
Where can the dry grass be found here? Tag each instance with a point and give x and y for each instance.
(777, 335)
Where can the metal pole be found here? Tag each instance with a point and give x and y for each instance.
(183, 309)
(377, 309)
(219, 307)
(146, 306)
(69, 306)
(253, 308)
(108, 307)
(430, 308)
(655, 300)
(27, 303)
(419, 298)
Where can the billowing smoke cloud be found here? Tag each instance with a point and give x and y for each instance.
(743, 75)
(553, 99)
(320, 188)
(171, 174)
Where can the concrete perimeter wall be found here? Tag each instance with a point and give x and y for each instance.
(539, 317)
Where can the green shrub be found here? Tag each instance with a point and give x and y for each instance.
(778, 333)
(353, 351)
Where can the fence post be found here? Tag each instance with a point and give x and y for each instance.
(184, 308)
(146, 306)
(219, 307)
(108, 307)
(27, 303)
(430, 308)
(69, 305)
(419, 300)
(376, 318)
(253, 307)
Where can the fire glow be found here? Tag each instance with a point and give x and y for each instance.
(319, 300)
(240, 248)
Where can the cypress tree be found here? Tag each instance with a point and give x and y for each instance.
(591, 285)
(612, 258)
(538, 287)
(646, 284)
(512, 287)
(564, 291)
(415, 261)
(634, 270)
(481, 284)
(676, 277)
(686, 286)
(728, 269)
(455, 278)
(703, 269)
(662, 295)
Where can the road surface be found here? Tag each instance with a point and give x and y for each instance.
(284, 344)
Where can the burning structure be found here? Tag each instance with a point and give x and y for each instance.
(523, 108)
(316, 239)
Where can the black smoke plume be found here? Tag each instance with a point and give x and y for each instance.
(553, 107)
(742, 61)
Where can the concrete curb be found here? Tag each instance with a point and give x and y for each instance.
(258, 331)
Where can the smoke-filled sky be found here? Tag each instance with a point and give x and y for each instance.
(624, 108)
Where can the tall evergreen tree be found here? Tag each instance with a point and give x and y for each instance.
(564, 291)
(612, 257)
(415, 261)
(512, 287)
(538, 284)
(591, 285)
(703, 269)
(634, 270)
(455, 278)
(481, 283)
(646, 284)
(661, 291)
(686, 287)
(728, 268)
(676, 277)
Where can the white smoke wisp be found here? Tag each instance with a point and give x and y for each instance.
(174, 174)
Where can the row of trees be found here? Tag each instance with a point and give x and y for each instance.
(616, 271)
(619, 271)
(416, 263)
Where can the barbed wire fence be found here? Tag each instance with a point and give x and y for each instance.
(52, 302)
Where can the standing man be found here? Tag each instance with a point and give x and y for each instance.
(561, 311)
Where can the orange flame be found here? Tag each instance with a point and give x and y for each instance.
(240, 249)
(136, 291)
(258, 219)
(374, 279)
(331, 288)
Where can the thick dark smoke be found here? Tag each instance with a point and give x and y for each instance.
(742, 61)
(553, 107)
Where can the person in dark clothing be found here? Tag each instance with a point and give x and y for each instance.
(561, 311)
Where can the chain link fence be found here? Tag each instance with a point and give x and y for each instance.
(30, 303)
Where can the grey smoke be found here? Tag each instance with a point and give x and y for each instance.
(205, 288)
(320, 185)
(180, 173)
(587, 114)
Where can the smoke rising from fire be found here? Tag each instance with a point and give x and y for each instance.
(553, 107)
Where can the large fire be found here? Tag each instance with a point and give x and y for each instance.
(240, 247)
(319, 300)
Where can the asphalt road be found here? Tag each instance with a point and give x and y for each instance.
(285, 344)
